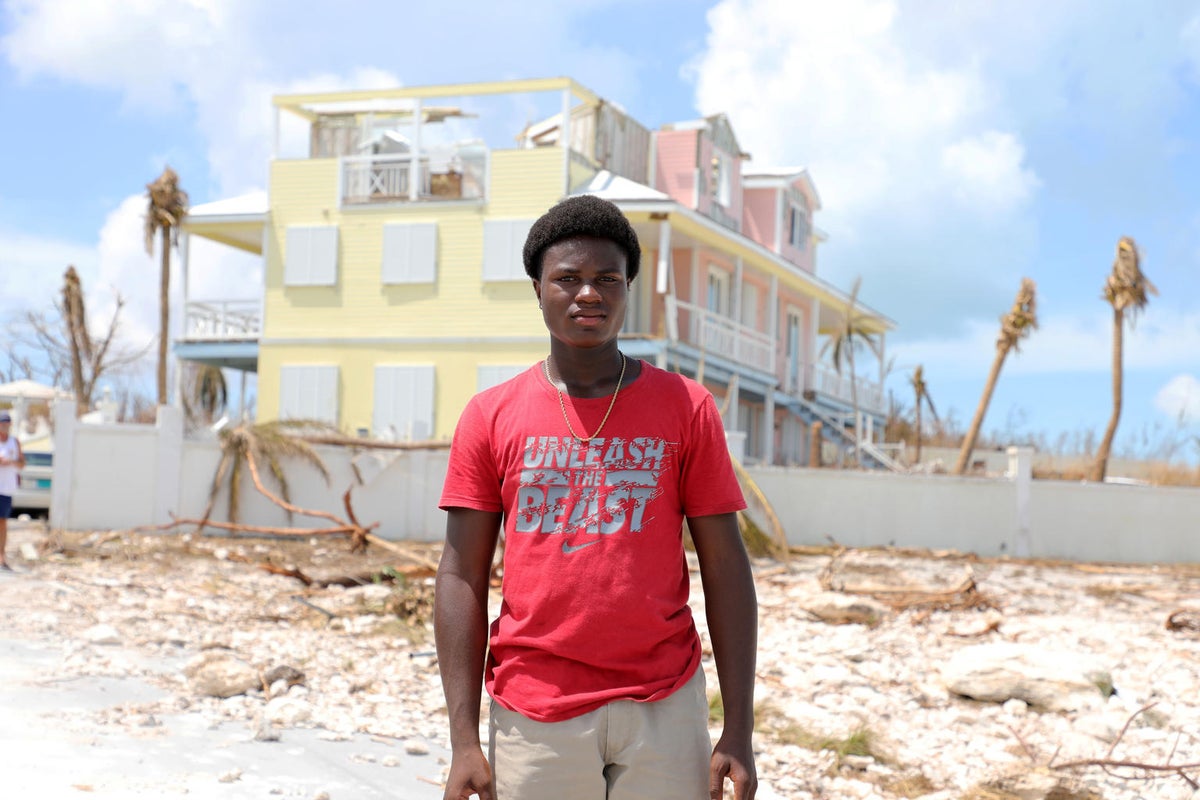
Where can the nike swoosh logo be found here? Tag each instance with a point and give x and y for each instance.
(571, 548)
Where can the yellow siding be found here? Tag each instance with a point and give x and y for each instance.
(458, 304)
(456, 323)
(455, 375)
(524, 183)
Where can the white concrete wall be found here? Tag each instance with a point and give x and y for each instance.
(124, 476)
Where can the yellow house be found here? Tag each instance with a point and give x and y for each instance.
(390, 239)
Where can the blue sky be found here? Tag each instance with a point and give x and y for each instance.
(956, 148)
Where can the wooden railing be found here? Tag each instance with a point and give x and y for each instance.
(454, 174)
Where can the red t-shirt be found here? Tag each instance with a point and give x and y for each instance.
(595, 596)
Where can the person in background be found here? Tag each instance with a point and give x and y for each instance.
(12, 461)
(590, 462)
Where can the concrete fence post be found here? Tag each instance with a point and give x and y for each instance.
(168, 457)
(65, 424)
(1020, 472)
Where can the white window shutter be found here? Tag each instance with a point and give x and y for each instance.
(410, 253)
(308, 391)
(489, 375)
(503, 240)
(403, 402)
(311, 258)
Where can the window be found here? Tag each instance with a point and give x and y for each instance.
(312, 255)
(489, 375)
(750, 305)
(797, 224)
(403, 402)
(410, 253)
(722, 179)
(502, 243)
(309, 391)
(718, 291)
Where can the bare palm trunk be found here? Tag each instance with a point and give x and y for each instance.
(964, 455)
(164, 311)
(1100, 465)
(854, 404)
(918, 459)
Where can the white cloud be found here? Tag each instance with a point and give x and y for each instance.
(1065, 343)
(33, 270)
(145, 49)
(1179, 398)
(987, 171)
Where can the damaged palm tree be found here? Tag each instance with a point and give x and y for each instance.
(1014, 326)
(268, 443)
(1125, 290)
(921, 390)
(166, 207)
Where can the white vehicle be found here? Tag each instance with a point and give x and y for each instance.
(33, 495)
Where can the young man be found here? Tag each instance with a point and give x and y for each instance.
(591, 461)
(12, 461)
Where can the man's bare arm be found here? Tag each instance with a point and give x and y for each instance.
(731, 607)
(460, 628)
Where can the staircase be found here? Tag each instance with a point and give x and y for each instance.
(833, 431)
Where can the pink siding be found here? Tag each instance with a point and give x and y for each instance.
(758, 217)
(675, 165)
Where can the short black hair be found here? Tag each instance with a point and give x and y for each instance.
(581, 215)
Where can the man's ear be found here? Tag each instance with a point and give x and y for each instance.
(537, 288)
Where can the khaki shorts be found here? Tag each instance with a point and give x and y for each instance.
(622, 751)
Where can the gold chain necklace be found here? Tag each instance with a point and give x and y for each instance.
(584, 439)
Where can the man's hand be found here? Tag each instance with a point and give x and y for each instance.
(735, 763)
(470, 775)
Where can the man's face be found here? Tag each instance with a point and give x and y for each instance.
(583, 290)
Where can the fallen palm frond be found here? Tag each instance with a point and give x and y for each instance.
(963, 595)
(1115, 766)
(1185, 619)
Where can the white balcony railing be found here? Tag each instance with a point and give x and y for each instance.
(222, 320)
(826, 380)
(722, 336)
(452, 174)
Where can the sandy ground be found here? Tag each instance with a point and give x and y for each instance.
(96, 630)
(54, 744)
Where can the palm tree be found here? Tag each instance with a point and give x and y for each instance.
(1018, 323)
(921, 390)
(79, 341)
(167, 205)
(207, 392)
(852, 334)
(245, 445)
(1126, 288)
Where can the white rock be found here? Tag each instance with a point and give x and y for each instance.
(219, 674)
(288, 711)
(841, 609)
(1042, 677)
(102, 634)
(1015, 707)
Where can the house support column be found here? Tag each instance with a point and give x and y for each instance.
(768, 436)
(414, 163)
(773, 321)
(564, 140)
(185, 244)
(663, 273)
(810, 348)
